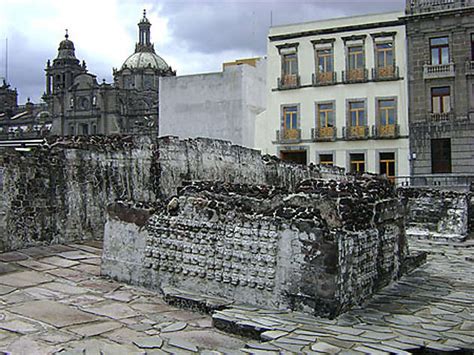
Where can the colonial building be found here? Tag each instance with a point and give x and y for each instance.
(337, 94)
(441, 85)
(80, 105)
(21, 121)
(220, 105)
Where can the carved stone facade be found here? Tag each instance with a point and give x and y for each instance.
(82, 106)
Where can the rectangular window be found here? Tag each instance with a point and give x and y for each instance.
(84, 129)
(355, 57)
(472, 47)
(295, 156)
(325, 115)
(441, 156)
(325, 60)
(357, 113)
(387, 111)
(441, 99)
(439, 48)
(326, 159)
(290, 117)
(290, 64)
(384, 55)
(387, 165)
(72, 131)
(357, 162)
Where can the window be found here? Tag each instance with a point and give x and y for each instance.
(72, 130)
(355, 57)
(295, 156)
(290, 64)
(290, 117)
(440, 100)
(71, 102)
(441, 156)
(357, 162)
(84, 129)
(472, 47)
(387, 112)
(357, 113)
(384, 57)
(325, 60)
(325, 115)
(387, 165)
(439, 48)
(326, 159)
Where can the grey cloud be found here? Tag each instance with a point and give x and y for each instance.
(211, 26)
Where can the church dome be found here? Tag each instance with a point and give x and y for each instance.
(143, 60)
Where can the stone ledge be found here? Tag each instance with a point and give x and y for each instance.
(200, 303)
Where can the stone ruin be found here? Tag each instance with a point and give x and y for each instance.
(322, 248)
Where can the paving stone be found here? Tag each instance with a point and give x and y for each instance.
(6, 289)
(435, 327)
(322, 347)
(466, 325)
(148, 342)
(65, 288)
(77, 255)
(40, 293)
(261, 346)
(174, 327)
(6, 268)
(366, 350)
(70, 275)
(388, 349)
(95, 328)
(13, 256)
(24, 279)
(440, 347)
(53, 313)
(59, 248)
(87, 269)
(59, 262)
(378, 336)
(92, 261)
(112, 310)
(182, 344)
(141, 327)
(259, 352)
(19, 326)
(273, 334)
(35, 265)
(25, 345)
(122, 335)
(344, 330)
(57, 337)
(120, 295)
(87, 248)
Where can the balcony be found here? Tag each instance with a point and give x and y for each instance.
(355, 132)
(288, 136)
(323, 134)
(470, 67)
(436, 71)
(289, 82)
(422, 6)
(359, 75)
(325, 78)
(385, 73)
(441, 116)
(386, 131)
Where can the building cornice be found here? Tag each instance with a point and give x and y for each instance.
(360, 27)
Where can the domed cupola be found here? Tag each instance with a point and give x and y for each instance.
(141, 69)
(66, 49)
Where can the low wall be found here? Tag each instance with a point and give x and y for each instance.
(58, 192)
(321, 249)
(436, 214)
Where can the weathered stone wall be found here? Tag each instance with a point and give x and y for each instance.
(218, 160)
(320, 249)
(59, 192)
(436, 214)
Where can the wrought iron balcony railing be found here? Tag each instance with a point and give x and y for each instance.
(355, 132)
(386, 131)
(324, 78)
(435, 71)
(289, 82)
(442, 116)
(359, 75)
(322, 134)
(385, 73)
(288, 135)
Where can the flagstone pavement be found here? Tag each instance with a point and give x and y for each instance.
(53, 300)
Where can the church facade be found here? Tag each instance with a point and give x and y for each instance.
(80, 105)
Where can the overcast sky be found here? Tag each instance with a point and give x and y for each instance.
(193, 36)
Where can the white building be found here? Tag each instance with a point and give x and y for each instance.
(221, 105)
(337, 94)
